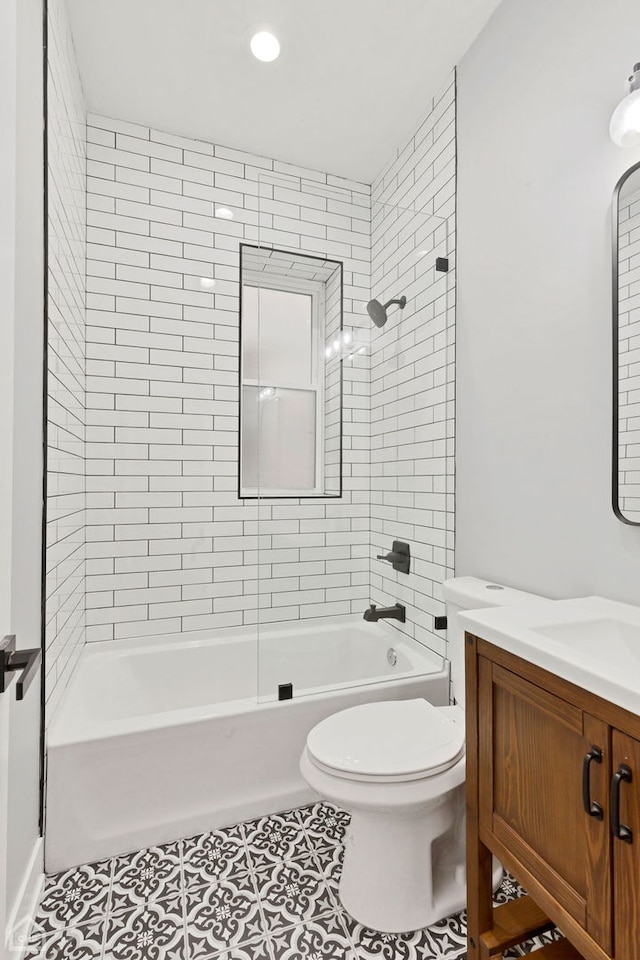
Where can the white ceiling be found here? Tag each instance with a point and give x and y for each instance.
(353, 79)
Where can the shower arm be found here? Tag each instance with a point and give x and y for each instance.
(400, 302)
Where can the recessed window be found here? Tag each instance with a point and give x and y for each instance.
(291, 378)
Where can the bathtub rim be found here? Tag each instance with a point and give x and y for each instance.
(114, 730)
(67, 727)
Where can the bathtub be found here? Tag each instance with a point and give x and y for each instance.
(167, 737)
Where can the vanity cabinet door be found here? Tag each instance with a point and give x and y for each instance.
(532, 753)
(625, 826)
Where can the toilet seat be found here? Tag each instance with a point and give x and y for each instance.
(387, 742)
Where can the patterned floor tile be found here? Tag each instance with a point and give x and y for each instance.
(146, 875)
(213, 856)
(325, 938)
(446, 939)
(222, 915)
(82, 942)
(79, 895)
(276, 838)
(324, 824)
(330, 861)
(293, 892)
(509, 889)
(264, 890)
(152, 931)
(254, 950)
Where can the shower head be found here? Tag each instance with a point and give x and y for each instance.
(378, 311)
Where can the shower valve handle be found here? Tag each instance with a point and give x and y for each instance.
(399, 557)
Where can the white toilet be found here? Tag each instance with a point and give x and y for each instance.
(398, 767)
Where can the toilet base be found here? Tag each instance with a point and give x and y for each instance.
(403, 873)
(400, 878)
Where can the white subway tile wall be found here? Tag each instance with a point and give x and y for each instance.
(169, 545)
(144, 520)
(413, 371)
(65, 535)
(629, 351)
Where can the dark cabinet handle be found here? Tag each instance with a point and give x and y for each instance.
(620, 830)
(591, 807)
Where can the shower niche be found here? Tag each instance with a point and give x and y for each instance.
(292, 344)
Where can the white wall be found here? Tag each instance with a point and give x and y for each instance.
(67, 183)
(8, 159)
(24, 746)
(412, 369)
(536, 173)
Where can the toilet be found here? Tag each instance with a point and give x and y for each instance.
(398, 767)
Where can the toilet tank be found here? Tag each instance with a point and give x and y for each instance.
(469, 593)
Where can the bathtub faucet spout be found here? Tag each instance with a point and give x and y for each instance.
(396, 612)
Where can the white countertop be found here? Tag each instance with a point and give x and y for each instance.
(591, 642)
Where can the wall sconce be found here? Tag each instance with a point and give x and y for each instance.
(625, 122)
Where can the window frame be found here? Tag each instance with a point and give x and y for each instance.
(317, 291)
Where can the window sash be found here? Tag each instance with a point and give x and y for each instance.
(315, 385)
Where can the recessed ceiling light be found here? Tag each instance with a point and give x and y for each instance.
(224, 213)
(207, 283)
(265, 46)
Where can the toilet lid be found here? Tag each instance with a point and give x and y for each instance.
(392, 740)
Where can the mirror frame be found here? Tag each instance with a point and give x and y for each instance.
(615, 458)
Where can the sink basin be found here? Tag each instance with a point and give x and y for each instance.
(591, 642)
(603, 637)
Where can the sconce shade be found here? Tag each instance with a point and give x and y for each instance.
(625, 122)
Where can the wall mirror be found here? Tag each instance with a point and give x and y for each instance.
(291, 341)
(626, 347)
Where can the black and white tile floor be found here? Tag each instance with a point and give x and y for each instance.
(263, 890)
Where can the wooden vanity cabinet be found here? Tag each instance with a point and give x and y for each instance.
(625, 754)
(549, 769)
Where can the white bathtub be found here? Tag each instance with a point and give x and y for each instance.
(167, 737)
